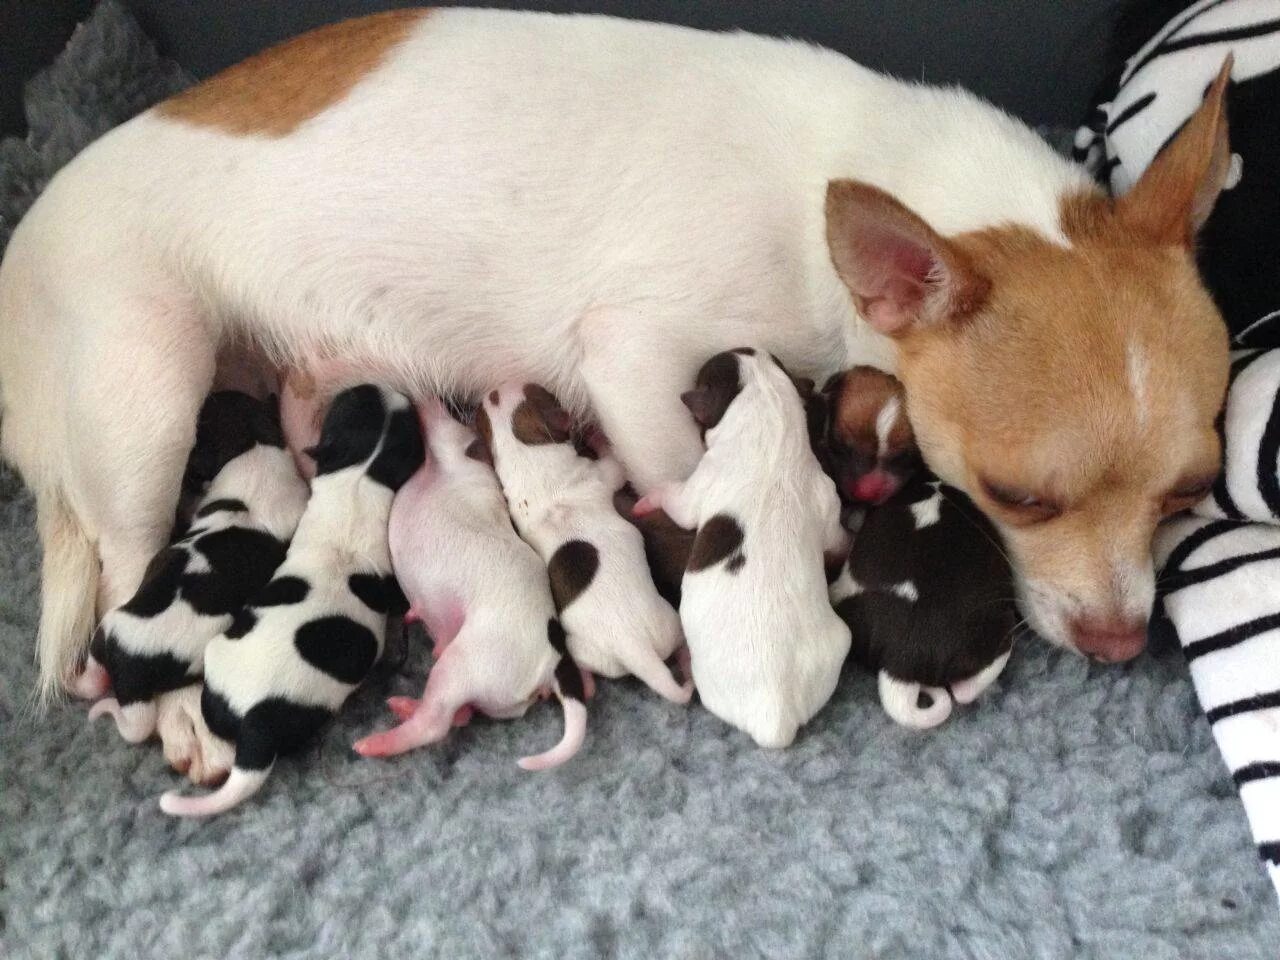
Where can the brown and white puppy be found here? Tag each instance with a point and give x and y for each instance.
(453, 198)
(766, 647)
(870, 447)
(561, 503)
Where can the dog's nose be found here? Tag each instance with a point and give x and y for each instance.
(1110, 641)
(873, 487)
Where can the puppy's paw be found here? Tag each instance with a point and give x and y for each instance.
(189, 747)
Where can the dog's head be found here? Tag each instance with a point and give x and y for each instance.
(230, 423)
(1068, 385)
(373, 428)
(871, 448)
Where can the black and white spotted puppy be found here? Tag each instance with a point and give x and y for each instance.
(766, 646)
(928, 596)
(155, 642)
(308, 638)
(561, 501)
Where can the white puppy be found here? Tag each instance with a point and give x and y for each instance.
(483, 595)
(562, 504)
(309, 637)
(766, 646)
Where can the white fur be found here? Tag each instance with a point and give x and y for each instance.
(885, 420)
(264, 480)
(591, 203)
(482, 593)
(901, 701)
(619, 624)
(766, 646)
(343, 531)
(967, 691)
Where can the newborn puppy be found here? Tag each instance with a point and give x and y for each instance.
(666, 545)
(483, 595)
(766, 646)
(928, 596)
(155, 641)
(309, 637)
(562, 503)
(870, 447)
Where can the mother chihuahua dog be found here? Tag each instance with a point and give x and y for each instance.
(450, 199)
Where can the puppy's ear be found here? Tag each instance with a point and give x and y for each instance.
(702, 405)
(902, 274)
(539, 418)
(479, 450)
(718, 382)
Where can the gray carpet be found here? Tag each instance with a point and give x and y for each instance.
(1077, 812)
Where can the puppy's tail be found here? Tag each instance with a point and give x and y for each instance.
(645, 664)
(569, 691)
(69, 589)
(239, 787)
(912, 704)
(135, 721)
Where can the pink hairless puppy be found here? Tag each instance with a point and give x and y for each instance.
(483, 595)
(562, 503)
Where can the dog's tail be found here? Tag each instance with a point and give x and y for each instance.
(644, 664)
(239, 787)
(912, 704)
(69, 590)
(569, 691)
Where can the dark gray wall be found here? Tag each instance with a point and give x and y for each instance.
(1038, 58)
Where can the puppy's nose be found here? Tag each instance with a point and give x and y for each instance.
(1109, 640)
(873, 487)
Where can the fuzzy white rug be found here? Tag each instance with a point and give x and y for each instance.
(1076, 812)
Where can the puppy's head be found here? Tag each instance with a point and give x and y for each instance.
(1069, 385)
(870, 444)
(230, 423)
(519, 419)
(373, 428)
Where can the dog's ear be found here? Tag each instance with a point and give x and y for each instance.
(718, 382)
(702, 405)
(1172, 200)
(539, 418)
(903, 275)
(479, 450)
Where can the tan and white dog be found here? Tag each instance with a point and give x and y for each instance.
(454, 198)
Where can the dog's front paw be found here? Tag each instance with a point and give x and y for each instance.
(189, 747)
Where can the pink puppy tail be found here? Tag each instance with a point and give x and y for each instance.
(240, 786)
(575, 731)
(429, 723)
(136, 722)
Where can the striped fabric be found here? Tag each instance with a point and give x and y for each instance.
(1220, 598)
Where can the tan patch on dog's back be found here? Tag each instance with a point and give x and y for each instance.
(273, 92)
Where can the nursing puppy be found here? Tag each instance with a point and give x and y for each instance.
(562, 206)
(308, 638)
(483, 595)
(928, 596)
(869, 442)
(766, 646)
(155, 643)
(561, 501)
